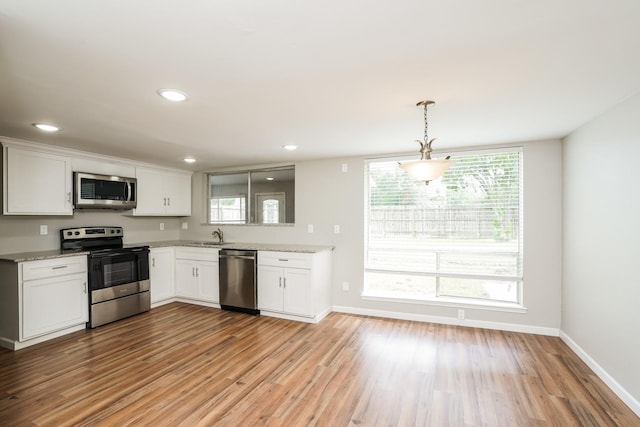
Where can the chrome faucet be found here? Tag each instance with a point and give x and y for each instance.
(218, 233)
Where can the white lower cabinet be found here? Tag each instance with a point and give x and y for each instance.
(285, 290)
(294, 285)
(197, 274)
(161, 274)
(54, 295)
(52, 304)
(40, 300)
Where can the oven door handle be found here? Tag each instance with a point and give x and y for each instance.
(112, 254)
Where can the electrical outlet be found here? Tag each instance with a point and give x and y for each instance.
(185, 225)
(345, 168)
(310, 228)
(345, 286)
(460, 314)
(44, 230)
(162, 226)
(336, 229)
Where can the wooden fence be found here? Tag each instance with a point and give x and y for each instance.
(411, 221)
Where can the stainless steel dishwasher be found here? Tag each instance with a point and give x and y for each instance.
(238, 289)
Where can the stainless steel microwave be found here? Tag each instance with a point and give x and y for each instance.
(91, 191)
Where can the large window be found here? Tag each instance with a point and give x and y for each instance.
(456, 239)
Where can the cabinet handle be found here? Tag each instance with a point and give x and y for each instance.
(284, 283)
(85, 287)
(280, 283)
(153, 262)
(58, 267)
(69, 197)
(197, 272)
(282, 259)
(193, 271)
(164, 201)
(168, 201)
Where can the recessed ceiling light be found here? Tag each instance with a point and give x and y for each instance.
(270, 178)
(47, 128)
(173, 95)
(189, 160)
(290, 147)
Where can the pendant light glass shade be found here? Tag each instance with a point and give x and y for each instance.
(426, 169)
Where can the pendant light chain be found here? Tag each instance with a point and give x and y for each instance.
(426, 125)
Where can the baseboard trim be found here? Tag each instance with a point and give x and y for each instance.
(19, 345)
(620, 391)
(511, 327)
(288, 316)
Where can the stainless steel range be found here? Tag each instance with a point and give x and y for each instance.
(118, 276)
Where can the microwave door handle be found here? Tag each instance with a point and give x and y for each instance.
(127, 191)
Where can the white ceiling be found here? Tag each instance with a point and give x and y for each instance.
(335, 77)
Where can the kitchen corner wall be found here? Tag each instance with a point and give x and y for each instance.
(326, 196)
(21, 233)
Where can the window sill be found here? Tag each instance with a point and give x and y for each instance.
(451, 302)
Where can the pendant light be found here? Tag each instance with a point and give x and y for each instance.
(426, 169)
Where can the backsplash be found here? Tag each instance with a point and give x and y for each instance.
(22, 233)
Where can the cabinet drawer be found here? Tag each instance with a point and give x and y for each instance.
(54, 267)
(285, 259)
(198, 254)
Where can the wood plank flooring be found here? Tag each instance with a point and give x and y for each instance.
(188, 365)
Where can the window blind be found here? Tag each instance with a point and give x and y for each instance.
(464, 226)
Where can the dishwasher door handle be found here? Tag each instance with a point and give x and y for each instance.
(237, 257)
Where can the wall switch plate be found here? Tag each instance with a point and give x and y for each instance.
(310, 228)
(460, 314)
(185, 225)
(336, 229)
(44, 230)
(345, 286)
(345, 168)
(162, 226)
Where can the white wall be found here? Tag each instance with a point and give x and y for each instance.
(22, 233)
(326, 196)
(601, 230)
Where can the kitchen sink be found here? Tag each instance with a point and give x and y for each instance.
(209, 243)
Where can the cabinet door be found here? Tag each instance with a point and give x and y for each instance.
(186, 284)
(270, 288)
(207, 277)
(54, 303)
(177, 189)
(296, 284)
(37, 183)
(161, 274)
(151, 198)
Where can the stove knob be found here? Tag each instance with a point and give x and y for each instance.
(113, 231)
(69, 233)
(77, 233)
(119, 231)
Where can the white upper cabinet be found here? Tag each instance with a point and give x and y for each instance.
(163, 193)
(36, 183)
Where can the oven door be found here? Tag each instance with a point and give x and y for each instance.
(114, 267)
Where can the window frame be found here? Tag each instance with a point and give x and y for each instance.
(447, 300)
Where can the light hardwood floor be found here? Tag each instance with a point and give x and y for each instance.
(183, 364)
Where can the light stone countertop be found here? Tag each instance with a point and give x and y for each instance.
(57, 253)
(39, 255)
(278, 247)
